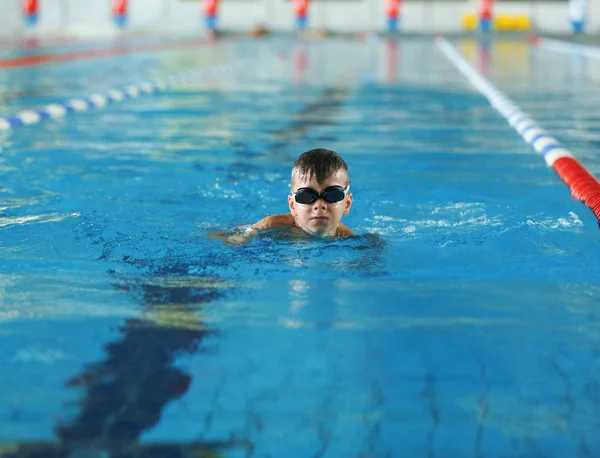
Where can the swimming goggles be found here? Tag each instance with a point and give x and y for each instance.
(331, 194)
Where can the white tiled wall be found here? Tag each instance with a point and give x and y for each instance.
(93, 17)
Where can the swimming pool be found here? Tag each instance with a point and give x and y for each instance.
(461, 321)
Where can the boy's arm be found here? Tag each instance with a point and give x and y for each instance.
(274, 221)
(270, 222)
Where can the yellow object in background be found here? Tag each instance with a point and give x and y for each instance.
(502, 22)
(511, 23)
(522, 23)
(470, 22)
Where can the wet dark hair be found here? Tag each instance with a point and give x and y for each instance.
(320, 163)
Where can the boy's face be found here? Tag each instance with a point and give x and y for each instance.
(320, 217)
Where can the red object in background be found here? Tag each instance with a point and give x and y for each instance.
(300, 62)
(30, 7)
(393, 8)
(301, 7)
(485, 9)
(392, 60)
(484, 57)
(119, 7)
(210, 7)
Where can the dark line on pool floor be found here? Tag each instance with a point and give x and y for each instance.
(316, 114)
(127, 391)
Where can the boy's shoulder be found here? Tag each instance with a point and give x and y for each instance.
(345, 231)
(274, 221)
(287, 220)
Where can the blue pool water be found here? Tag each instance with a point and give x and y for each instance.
(461, 321)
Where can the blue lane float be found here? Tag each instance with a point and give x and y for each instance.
(99, 100)
(545, 145)
(582, 184)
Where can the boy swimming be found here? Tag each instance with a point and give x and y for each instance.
(320, 196)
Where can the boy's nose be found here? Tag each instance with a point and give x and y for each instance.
(320, 203)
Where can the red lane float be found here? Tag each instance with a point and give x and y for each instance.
(72, 56)
(582, 184)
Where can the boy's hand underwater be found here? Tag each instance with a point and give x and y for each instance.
(233, 239)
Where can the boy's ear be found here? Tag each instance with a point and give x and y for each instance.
(292, 205)
(348, 204)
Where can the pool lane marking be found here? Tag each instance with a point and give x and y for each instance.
(35, 45)
(50, 58)
(582, 184)
(569, 48)
(100, 100)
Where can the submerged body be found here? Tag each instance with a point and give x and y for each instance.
(284, 225)
(288, 221)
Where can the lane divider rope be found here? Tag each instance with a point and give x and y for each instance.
(569, 48)
(99, 100)
(582, 184)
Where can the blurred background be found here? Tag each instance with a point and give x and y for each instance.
(22, 18)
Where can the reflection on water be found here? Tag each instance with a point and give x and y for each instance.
(403, 342)
(126, 393)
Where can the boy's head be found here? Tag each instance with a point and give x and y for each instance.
(320, 191)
